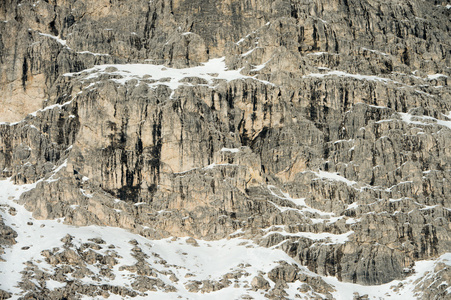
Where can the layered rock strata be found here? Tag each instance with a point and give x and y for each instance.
(321, 128)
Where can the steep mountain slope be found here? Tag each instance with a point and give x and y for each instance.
(315, 133)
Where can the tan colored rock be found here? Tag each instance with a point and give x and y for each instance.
(259, 283)
(20, 99)
(335, 146)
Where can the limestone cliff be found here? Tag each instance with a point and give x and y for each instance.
(322, 128)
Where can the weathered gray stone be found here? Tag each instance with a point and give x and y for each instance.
(260, 283)
(347, 108)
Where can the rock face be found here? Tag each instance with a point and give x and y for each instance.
(322, 128)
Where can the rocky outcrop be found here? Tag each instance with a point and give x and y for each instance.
(437, 283)
(7, 238)
(324, 129)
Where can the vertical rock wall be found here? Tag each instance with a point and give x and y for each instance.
(325, 129)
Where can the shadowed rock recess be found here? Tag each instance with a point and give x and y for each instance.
(318, 127)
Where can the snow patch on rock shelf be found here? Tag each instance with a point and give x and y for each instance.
(210, 72)
(345, 74)
(423, 120)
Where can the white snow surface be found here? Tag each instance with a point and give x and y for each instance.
(214, 69)
(376, 51)
(233, 150)
(328, 238)
(58, 39)
(208, 260)
(345, 74)
(423, 120)
(436, 76)
(334, 177)
(299, 202)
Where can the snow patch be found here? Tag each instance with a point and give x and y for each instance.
(410, 119)
(59, 40)
(211, 71)
(299, 202)
(436, 76)
(233, 150)
(344, 74)
(93, 53)
(329, 238)
(334, 177)
(34, 114)
(375, 51)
